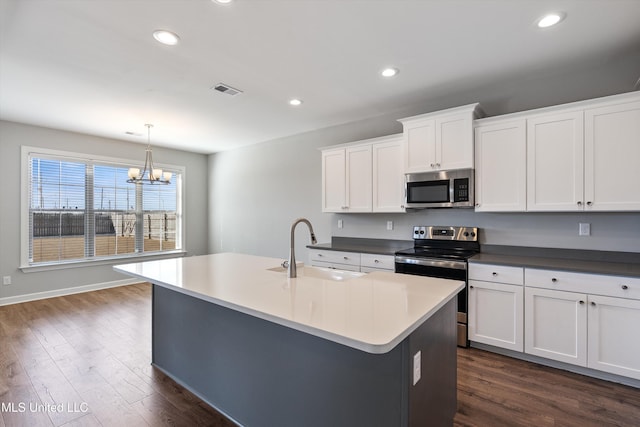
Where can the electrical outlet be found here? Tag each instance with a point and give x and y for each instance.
(339, 223)
(6, 280)
(417, 373)
(389, 225)
(585, 229)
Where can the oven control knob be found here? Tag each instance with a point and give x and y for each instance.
(473, 234)
(466, 234)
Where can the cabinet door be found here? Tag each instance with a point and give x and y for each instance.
(612, 157)
(359, 177)
(501, 164)
(388, 176)
(555, 163)
(556, 325)
(496, 314)
(454, 142)
(420, 155)
(333, 181)
(614, 335)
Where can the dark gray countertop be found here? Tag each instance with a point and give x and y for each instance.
(580, 261)
(575, 260)
(365, 246)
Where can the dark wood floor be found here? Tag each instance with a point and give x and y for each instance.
(90, 353)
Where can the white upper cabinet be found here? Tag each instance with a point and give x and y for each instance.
(358, 173)
(582, 156)
(346, 179)
(500, 150)
(388, 176)
(612, 157)
(333, 181)
(442, 140)
(555, 165)
(365, 176)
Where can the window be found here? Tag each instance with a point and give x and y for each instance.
(83, 209)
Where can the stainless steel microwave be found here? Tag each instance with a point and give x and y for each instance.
(443, 189)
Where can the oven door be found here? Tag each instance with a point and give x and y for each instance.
(405, 265)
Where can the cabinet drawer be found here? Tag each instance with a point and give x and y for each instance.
(380, 262)
(345, 267)
(594, 284)
(496, 273)
(337, 257)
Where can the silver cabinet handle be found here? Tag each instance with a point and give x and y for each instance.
(433, 165)
(625, 287)
(554, 280)
(581, 302)
(345, 258)
(593, 303)
(376, 261)
(438, 164)
(494, 274)
(579, 203)
(470, 286)
(589, 203)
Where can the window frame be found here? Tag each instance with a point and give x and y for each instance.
(27, 152)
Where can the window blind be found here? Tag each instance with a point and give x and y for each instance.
(84, 209)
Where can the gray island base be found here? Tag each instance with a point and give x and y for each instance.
(259, 373)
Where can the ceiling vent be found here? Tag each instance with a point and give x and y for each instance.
(226, 89)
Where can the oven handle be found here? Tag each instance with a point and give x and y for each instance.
(431, 262)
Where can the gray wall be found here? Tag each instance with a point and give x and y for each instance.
(13, 135)
(256, 192)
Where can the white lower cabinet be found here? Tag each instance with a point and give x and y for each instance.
(556, 325)
(614, 335)
(372, 262)
(566, 320)
(351, 261)
(495, 305)
(495, 314)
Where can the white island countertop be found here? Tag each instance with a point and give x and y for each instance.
(372, 313)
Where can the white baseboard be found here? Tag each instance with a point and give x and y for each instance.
(67, 291)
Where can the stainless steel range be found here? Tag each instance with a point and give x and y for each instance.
(442, 252)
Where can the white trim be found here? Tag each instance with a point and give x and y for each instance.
(66, 291)
(378, 140)
(116, 259)
(26, 151)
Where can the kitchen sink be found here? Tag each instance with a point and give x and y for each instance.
(321, 273)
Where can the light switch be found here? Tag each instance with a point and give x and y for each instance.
(585, 229)
(417, 373)
(339, 223)
(389, 225)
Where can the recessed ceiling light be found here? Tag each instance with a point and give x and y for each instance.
(295, 102)
(550, 19)
(222, 1)
(166, 37)
(389, 72)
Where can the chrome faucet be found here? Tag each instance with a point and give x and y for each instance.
(291, 268)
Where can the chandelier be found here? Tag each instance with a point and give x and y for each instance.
(150, 174)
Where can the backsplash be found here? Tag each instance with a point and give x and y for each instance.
(609, 231)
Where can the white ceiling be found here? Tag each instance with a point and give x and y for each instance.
(92, 66)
